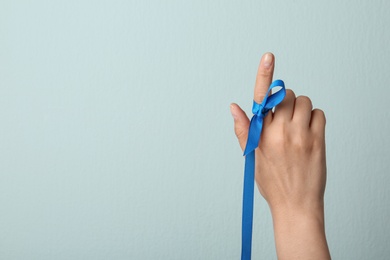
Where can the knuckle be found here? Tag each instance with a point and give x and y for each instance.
(279, 135)
(319, 114)
(301, 143)
(290, 93)
(304, 99)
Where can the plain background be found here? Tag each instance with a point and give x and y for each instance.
(116, 139)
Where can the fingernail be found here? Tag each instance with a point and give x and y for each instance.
(233, 111)
(267, 60)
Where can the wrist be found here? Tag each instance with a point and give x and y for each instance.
(289, 213)
(300, 232)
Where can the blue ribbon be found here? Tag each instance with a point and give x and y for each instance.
(256, 125)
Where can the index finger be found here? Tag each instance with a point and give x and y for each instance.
(264, 76)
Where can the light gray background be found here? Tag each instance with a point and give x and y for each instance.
(116, 140)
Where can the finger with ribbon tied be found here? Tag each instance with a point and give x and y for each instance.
(255, 128)
(260, 111)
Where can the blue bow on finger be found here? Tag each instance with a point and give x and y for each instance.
(255, 128)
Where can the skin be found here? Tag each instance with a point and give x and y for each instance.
(290, 168)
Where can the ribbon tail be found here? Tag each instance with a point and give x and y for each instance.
(247, 206)
(255, 128)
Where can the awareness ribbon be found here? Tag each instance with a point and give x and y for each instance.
(256, 125)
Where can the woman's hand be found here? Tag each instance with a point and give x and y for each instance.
(290, 168)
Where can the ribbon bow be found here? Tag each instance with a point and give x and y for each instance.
(255, 127)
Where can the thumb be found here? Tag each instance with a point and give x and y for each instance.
(241, 124)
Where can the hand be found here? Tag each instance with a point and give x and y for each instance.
(290, 168)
